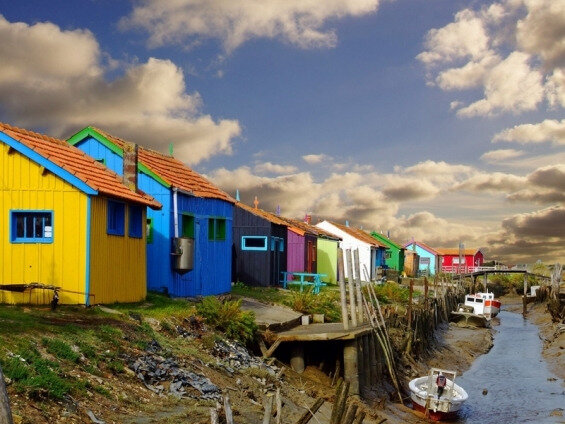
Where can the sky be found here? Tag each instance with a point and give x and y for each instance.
(438, 120)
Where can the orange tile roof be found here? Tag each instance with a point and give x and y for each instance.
(275, 219)
(319, 232)
(359, 234)
(173, 171)
(455, 251)
(76, 162)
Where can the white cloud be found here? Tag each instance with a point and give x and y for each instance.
(313, 159)
(499, 155)
(465, 38)
(510, 86)
(542, 31)
(512, 49)
(43, 84)
(271, 168)
(550, 130)
(299, 22)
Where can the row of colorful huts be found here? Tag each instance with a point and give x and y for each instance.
(97, 219)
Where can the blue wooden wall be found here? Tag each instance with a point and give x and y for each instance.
(211, 274)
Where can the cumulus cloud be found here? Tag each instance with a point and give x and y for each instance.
(499, 155)
(298, 22)
(550, 130)
(313, 159)
(43, 85)
(410, 189)
(530, 236)
(512, 49)
(491, 182)
(272, 168)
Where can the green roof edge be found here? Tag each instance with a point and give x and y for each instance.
(90, 131)
(386, 240)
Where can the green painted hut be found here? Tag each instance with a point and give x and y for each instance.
(394, 256)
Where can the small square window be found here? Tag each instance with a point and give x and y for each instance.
(216, 229)
(135, 221)
(31, 226)
(116, 218)
(187, 225)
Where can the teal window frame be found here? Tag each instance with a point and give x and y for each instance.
(244, 245)
(116, 218)
(29, 226)
(135, 226)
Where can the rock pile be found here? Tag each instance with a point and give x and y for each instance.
(157, 372)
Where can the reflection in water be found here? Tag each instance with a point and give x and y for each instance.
(516, 377)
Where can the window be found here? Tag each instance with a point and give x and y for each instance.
(388, 254)
(149, 230)
(277, 243)
(31, 226)
(187, 226)
(115, 218)
(216, 229)
(254, 243)
(135, 219)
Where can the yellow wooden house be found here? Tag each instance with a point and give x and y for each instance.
(69, 227)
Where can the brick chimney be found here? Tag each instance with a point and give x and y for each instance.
(130, 165)
(308, 219)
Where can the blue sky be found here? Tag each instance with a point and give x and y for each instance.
(439, 119)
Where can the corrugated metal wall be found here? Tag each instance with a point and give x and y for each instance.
(117, 263)
(24, 186)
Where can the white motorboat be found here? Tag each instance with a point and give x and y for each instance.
(483, 304)
(437, 406)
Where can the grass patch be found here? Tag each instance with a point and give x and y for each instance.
(159, 306)
(60, 349)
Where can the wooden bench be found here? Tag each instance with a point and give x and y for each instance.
(301, 278)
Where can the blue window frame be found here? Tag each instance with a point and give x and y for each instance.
(254, 243)
(116, 218)
(31, 226)
(135, 221)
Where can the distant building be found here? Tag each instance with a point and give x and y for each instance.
(394, 255)
(371, 252)
(428, 257)
(460, 261)
(67, 222)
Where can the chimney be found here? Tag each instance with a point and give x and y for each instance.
(308, 219)
(130, 165)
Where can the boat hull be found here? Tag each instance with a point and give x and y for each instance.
(436, 415)
(424, 399)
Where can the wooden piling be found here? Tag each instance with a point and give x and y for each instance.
(358, 286)
(342, 291)
(350, 280)
(351, 366)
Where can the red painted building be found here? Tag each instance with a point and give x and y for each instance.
(460, 261)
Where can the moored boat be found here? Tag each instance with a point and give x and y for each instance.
(483, 304)
(464, 316)
(428, 396)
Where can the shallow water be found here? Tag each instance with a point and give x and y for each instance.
(520, 387)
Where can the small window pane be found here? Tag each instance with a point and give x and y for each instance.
(31, 227)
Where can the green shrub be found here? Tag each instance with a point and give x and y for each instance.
(229, 318)
(326, 302)
(392, 293)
